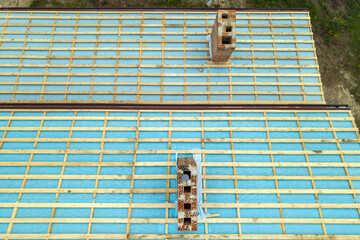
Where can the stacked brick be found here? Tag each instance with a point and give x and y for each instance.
(223, 35)
(187, 194)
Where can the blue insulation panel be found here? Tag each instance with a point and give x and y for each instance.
(155, 57)
(106, 174)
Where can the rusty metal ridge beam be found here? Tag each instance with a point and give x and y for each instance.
(158, 9)
(104, 106)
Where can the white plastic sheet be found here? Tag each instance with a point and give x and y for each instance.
(208, 38)
(201, 214)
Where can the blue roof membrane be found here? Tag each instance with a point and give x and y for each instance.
(273, 177)
(144, 57)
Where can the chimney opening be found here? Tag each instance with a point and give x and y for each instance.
(187, 189)
(224, 15)
(187, 221)
(228, 28)
(187, 206)
(226, 40)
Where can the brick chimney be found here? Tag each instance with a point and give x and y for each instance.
(187, 194)
(223, 35)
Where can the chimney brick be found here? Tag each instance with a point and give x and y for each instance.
(223, 35)
(187, 194)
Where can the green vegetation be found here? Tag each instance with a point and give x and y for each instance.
(115, 3)
(331, 25)
(62, 3)
(353, 24)
(178, 3)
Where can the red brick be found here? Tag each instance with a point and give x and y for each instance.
(223, 35)
(187, 164)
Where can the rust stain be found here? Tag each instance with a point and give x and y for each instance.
(317, 151)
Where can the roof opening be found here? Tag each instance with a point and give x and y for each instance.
(187, 221)
(226, 40)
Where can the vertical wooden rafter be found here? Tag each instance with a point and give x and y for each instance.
(298, 58)
(71, 57)
(253, 58)
(11, 223)
(53, 212)
(66, 155)
(139, 85)
(341, 155)
(233, 156)
(103, 136)
(22, 57)
(204, 171)
(43, 87)
(116, 82)
(163, 53)
(306, 155)
(32, 155)
(282, 225)
(127, 233)
(92, 209)
(275, 57)
(95, 59)
(169, 156)
(185, 42)
(135, 152)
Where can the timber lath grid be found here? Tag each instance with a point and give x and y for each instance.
(306, 163)
(155, 57)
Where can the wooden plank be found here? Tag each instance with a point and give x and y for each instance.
(225, 118)
(98, 176)
(172, 205)
(135, 156)
(173, 190)
(172, 176)
(157, 40)
(152, 33)
(207, 164)
(272, 161)
(53, 216)
(169, 84)
(184, 140)
(183, 129)
(157, 25)
(180, 236)
(259, 152)
(11, 222)
(128, 221)
(174, 220)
